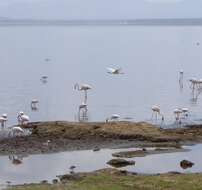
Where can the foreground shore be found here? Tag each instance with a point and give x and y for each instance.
(111, 179)
(49, 137)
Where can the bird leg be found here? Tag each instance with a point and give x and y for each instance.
(85, 96)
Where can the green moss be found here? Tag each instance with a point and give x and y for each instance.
(105, 181)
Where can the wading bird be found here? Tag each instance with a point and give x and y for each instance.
(156, 111)
(178, 112)
(114, 117)
(15, 131)
(185, 112)
(114, 71)
(85, 88)
(34, 103)
(22, 118)
(3, 120)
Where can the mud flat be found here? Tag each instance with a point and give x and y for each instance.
(49, 137)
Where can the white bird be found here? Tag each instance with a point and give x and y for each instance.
(177, 112)
(157, 111)
(22, 118)
(85, 88)
(114, 71)
(3, 120)
(185, 111)
(114, 117)
(16, 131)
(47, 143)
(34, 103)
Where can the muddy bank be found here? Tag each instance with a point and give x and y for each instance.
(50, 137)
(144, 152)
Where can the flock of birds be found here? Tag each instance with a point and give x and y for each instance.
(15, 130)
(83, 107)
(22, 118)
(179, 113)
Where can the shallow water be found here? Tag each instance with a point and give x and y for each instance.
(36, 168)
(151, 58)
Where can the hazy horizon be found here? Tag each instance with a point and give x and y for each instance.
(95, 9)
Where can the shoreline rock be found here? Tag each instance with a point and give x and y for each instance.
(119, 163)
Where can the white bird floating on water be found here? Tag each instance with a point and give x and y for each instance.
(114, 71)
(85, 88)
(22, 118)
(114, 117)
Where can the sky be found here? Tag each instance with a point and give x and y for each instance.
(100, 9)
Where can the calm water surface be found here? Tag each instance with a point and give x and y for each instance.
(45, 167)
(151, 58)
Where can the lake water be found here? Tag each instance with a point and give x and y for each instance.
(36, 168)
(151, 58)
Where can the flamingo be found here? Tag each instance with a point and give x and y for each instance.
(177, 112)
(22, 118)
(16, 131)
(34, 103)
(185, 111)
(114, 71)
(3, 120)
(194, 82)
(157, 111)
(83, 87)
(114, 117)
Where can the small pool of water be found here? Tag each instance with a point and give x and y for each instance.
(35, 168)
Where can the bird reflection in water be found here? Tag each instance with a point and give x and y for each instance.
(16, 159)
(196, 89)
(181, 80)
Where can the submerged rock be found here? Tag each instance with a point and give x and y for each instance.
(96, 149)
(130, 154)
(118, 163)
(186, 164)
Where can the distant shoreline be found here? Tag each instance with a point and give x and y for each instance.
(141, 22)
